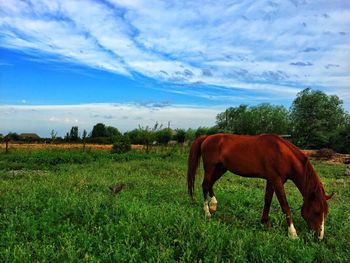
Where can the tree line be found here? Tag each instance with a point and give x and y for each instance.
(315, 120)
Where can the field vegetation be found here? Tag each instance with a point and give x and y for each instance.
(56, 206)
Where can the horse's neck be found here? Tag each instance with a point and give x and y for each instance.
(301, 187)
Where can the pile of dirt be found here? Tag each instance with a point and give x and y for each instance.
(336, 158)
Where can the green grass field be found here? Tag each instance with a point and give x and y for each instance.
(55, 206)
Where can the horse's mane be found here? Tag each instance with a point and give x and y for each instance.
(314, 186)
(312, 182)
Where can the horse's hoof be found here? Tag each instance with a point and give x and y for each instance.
(212, 210)
(293, 236)
(208, 215)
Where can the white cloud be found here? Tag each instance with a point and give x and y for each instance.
(163, 40)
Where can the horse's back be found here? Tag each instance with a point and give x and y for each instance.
(252, 156)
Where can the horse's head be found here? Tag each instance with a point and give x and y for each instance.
(314, 211)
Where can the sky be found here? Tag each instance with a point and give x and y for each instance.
(127, 63)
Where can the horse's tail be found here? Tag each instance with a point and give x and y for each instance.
(193, 162)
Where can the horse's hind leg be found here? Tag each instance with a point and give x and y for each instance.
(205, 187)
(268, 198)
(218, 172)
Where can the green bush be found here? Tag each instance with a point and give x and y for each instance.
(180, 135)
(164, 136)
(121, 144)
(340, 140)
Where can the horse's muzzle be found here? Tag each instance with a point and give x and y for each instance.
(320, 232)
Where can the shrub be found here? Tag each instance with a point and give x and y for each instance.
(201, 131)
(164, 136)
(180, 135)
(121, 145)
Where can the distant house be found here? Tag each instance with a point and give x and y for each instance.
(29, 136)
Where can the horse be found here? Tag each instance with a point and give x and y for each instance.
(264, 156)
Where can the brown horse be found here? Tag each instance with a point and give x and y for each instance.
(265, 156)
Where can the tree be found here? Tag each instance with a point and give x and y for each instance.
(164, 136)
(104, 134)
(83, 138)
(113, 134)
(180, 135)
(67, 137)
(190, 135)
(84, 135)
(11, 136)
(201, 131)
(315, 116)
(53, 135)
(74, 134)
(234, 120)
(99, 130)
(267, 118)
(212, 130)
(340, 140)
(135, 136)
(263, 118)
(148, 135)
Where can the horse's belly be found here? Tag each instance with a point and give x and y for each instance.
(245, 168)
(247, 173)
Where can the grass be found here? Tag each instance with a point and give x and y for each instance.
(55, 206)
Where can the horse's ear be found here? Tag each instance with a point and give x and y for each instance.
(328, 197)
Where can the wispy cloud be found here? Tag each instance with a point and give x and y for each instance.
(301, 64)
(277, 47)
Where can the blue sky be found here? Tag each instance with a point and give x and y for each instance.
(130, 62)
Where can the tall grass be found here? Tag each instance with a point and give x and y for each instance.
(56, 206)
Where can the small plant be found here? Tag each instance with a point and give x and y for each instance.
(121, 145)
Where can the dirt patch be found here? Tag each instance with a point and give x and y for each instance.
(337, 158)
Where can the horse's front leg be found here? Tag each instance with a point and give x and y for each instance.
(281, 195)
(268, 198)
